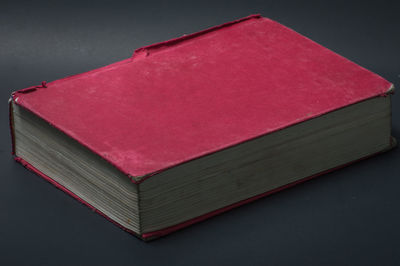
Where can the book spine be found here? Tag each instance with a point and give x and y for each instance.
(11, 123)
(13, 99)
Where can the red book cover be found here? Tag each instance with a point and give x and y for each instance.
(188, 97)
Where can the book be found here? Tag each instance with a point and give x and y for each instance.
(192, 127)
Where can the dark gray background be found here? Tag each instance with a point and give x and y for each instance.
(349, 217)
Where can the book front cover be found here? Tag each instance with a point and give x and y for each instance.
(188, 97)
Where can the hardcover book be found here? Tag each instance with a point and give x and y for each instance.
(191, 127)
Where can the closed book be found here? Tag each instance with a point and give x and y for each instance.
(191, 127)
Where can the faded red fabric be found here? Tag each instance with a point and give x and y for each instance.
(175, 101)
(181, 99)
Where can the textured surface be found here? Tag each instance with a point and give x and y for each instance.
(348, 217)
(181, 99)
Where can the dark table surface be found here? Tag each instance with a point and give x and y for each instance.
(348, 217)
